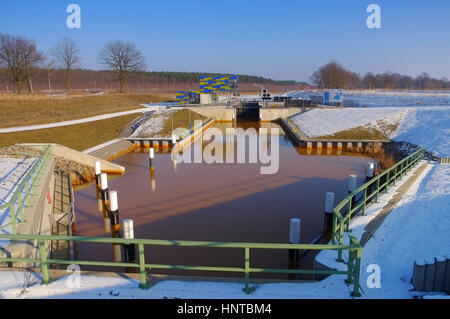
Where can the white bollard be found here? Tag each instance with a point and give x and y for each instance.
(294, 231)
(329, 205)
(128, 230)
(128, 233)
(174, 140)
(370, 168)
(151, 156)
(104, 181)
(114, 211)
(294, 238)
(351, 183)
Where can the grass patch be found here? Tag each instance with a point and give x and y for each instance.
(357, 133)
(19, 110)
(78, 137)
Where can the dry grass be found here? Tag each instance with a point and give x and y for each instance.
(78, 137)
(357, 133)
(30, 109)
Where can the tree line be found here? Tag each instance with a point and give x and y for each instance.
(22, 62)
(333, 76)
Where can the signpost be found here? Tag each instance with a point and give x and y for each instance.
(331, 97)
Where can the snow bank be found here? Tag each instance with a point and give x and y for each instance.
(327, 121)
(427, 127)
(154, 124)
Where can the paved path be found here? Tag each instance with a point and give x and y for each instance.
(373, 225)
(71, 122)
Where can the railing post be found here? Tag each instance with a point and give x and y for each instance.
(350, 266)
(247, 270)
(364, 201)
(349, 215)
(377, 190)
(143, 284)
(357, 270)
(341, 240)
(13, 218)
(43, 257)
(19, 198)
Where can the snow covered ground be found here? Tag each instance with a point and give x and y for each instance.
(154, 124)
(428, 127)
(12, 171)
(383, 98)
(327, 121)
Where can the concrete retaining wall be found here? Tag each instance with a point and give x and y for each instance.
(82, 158)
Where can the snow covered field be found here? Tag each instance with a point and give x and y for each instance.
(154, 124)
(428, 127)
(383, 98)
(320, 122)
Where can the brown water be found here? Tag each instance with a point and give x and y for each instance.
(218, 202)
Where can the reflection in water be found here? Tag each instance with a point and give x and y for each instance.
(219, 202)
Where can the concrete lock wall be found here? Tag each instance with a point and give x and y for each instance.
(37, 220)
(222, 113)
(82, 158)
(276, 113)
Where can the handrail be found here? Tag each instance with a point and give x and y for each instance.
(28, 183)
(352, 272)
(368, 192)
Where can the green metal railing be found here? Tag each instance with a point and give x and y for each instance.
(357, 201)
(353, 266)
(24, 190)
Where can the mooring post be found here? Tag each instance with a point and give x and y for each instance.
(151, 156)
(128, 233)
(369, 176)
(114, 211)
(294, 238)
(104, 189)
(98, 171)
(329, 205)
(174, 140)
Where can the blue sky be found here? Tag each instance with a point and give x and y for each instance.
(281, 39)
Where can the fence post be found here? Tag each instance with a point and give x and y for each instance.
(143, 284)
(19, 198)
(43, 257)
(341, 240)
(350, 266)
(357, 270)
(377, 190)
(13, 218)
(247, 270)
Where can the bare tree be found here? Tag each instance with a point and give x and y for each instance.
(66, 53)
(20, 56)
(122, 58)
